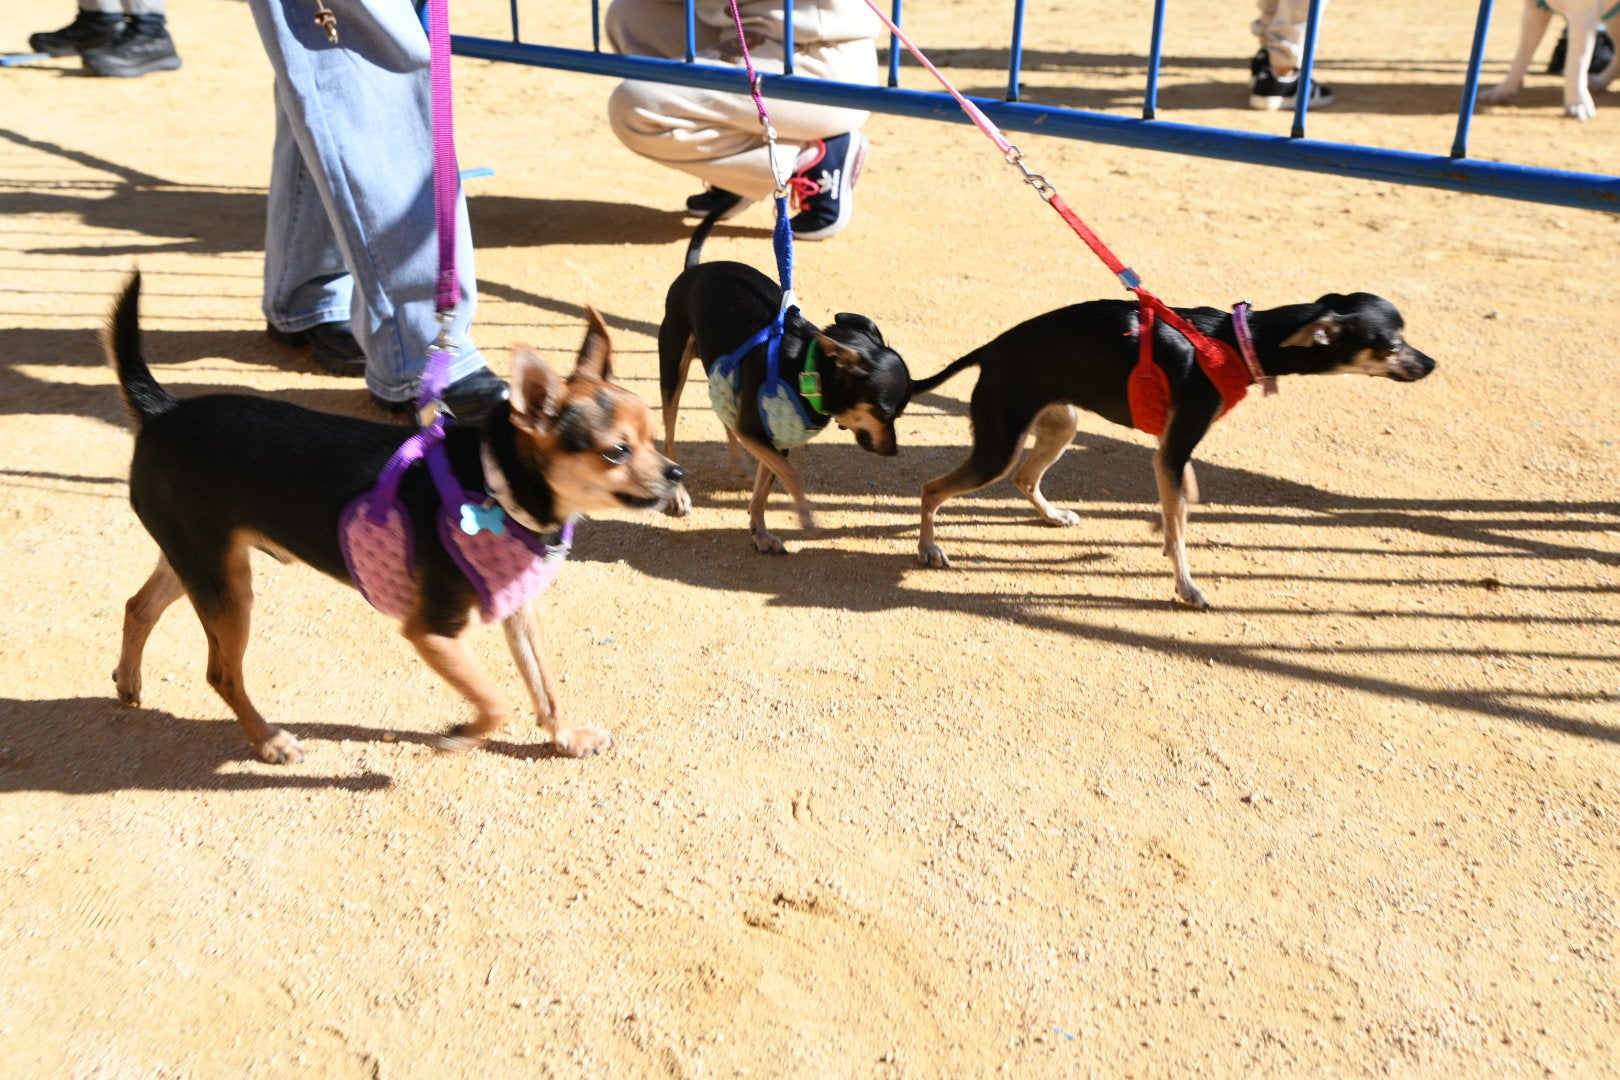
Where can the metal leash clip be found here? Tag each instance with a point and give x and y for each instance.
(326, 19)
(1042, 186)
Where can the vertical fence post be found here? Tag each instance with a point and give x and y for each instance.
(1150, 101)
(1476, 59)
(787, 37)
(1015, 59)
(1302, 97)
(894, 48)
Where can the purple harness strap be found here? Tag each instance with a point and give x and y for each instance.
(506, 563)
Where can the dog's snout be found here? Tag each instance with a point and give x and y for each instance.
(1414, 364)
(674, 474)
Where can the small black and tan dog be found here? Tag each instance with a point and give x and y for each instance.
(1034, 379)
(712, 310)
(215, 476)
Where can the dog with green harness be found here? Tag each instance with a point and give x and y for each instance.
(775, 380)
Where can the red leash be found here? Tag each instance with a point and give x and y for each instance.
(1213, 356)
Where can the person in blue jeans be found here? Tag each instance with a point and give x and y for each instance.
(351, 255)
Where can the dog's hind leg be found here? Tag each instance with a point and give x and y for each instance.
(1054, 427)
(141, 614)
(996, 442)
(524, 638)
(224, 602)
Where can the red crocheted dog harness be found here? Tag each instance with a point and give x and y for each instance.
(1149, 387)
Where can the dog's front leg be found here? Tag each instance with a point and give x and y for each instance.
(1173, 508)
(680, 503)
(455, 663)
(1172, 466)
(1582, 27)
(773, 465)
(1532, 25)
(524, 638)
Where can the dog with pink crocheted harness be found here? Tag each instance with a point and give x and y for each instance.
(430, 526)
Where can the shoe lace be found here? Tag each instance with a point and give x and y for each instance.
(802, 189)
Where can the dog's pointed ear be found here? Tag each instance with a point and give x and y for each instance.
(596, 354)
(536, 390)
(859, 322)
(845, 359)
(1323, 331)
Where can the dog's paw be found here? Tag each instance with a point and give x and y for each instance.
(680, 503)
(129, 690)
(1061, 518)
(460, 739)
(280, 749)
(1497, 94)
(767, 544)
(931, 556)
(1191, 597)
(582, 742)
(1580, 110)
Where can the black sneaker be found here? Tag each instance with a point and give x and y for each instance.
(469, 399)
(1267, 91)
(88, 30)
(710, 199)
(1602, 53)
(332, 345)
(133, 54)
(824, 188)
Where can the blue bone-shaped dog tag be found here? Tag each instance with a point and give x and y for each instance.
(488, 518)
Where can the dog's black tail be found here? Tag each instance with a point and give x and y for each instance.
(142, 395)
(694, 247)
(922, 386)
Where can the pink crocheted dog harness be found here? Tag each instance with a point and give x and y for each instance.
(507, 563)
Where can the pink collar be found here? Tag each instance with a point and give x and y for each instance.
(1245, 340)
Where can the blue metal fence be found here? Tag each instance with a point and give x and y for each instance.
(1454, 171)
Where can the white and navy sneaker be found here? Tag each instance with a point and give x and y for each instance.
(824, 186)
(1267, 91)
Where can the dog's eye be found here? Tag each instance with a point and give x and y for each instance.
(618, 455)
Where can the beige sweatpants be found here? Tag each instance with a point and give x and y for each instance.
(716, 136)
(1281, 30)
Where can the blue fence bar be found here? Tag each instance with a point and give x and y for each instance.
(1586, 191)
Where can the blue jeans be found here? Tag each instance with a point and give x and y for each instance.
(351, 232)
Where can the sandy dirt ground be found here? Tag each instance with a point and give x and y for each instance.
(864, 819)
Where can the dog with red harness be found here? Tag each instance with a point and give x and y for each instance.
(1170, 372)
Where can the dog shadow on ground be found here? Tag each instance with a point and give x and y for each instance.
(83, 746)
(1110, 478)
